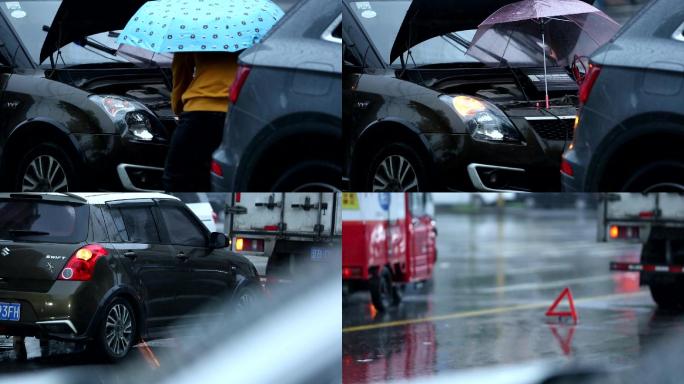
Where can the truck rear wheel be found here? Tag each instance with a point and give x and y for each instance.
(667, 296)
(381, 289)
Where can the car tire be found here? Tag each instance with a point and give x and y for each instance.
(381, 289)
(117, 331)
(658, 176)
(391, 159)
(309, 176)
(60, 175)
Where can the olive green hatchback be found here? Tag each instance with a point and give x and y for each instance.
(111, 269)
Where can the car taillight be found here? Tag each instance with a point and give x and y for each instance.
(240, 79)
(81, 264)
(567, 168)
(588, 84)
(216, 168)
(249, 245)
(214, 217)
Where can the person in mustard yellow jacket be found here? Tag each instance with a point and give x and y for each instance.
(201, 83)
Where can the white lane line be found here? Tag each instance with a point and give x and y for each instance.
(539, 286)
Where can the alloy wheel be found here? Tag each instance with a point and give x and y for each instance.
(119, 330)
(395, 174)
(44, 174)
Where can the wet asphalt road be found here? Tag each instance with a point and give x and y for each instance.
(495, 278)
(65, 357)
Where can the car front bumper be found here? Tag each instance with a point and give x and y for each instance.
(464, 164)
(112, 162)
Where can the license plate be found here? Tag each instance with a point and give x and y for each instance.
(10, 311)
(318, 254)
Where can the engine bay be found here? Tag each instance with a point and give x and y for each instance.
(502, 86)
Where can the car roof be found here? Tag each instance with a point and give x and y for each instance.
(103, 198)
(88, 198)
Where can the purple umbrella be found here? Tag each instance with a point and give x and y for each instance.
(558, 30)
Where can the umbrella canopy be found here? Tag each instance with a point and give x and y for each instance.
(534, 32)
(168, 26)
(529, 31)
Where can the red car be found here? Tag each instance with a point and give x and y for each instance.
(388, 241)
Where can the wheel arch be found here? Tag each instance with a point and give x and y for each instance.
(306, 135)
(133, 299)
(631, 143)
(377, 134)
(23, 135)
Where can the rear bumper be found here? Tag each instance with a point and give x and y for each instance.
(64, 312)
(237, 152)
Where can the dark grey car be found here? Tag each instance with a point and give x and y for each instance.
(284, 129)
(631, 128)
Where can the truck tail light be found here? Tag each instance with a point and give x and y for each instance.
(351, 273)
(240, 79)
(243, 244)
(623, 232)
(588, 84)
(81, 264)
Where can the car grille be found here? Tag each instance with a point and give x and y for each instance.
(553, 129)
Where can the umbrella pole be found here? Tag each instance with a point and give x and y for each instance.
(546, 80)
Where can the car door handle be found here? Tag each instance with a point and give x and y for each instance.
(131, 255)
(182, 256)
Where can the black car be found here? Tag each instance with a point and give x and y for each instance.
(420, 114)
(631, 127)
(74, 115)
(284, 128)
(112, 269)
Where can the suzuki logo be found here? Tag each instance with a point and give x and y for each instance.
(5, 252)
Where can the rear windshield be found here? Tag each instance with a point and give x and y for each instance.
(45, 222)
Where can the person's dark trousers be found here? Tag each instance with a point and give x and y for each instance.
(188, 164)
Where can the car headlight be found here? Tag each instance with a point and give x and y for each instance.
(483, 120)
(132, 118)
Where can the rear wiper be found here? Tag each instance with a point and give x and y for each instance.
(27, 232)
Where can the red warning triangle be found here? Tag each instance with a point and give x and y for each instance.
(565, 342)
(572, 313)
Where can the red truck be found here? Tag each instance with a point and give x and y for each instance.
(388, 241)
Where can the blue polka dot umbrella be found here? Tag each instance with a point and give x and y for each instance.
(168, 26)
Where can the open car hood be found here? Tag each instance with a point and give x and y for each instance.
(77, 19)
(426, 19)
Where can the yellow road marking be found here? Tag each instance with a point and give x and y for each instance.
(481, 312)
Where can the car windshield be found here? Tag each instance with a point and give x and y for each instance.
(28, 18)
(43, 221)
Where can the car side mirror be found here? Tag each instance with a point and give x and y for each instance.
(218, 240)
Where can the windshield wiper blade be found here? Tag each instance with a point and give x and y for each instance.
(27, 232)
